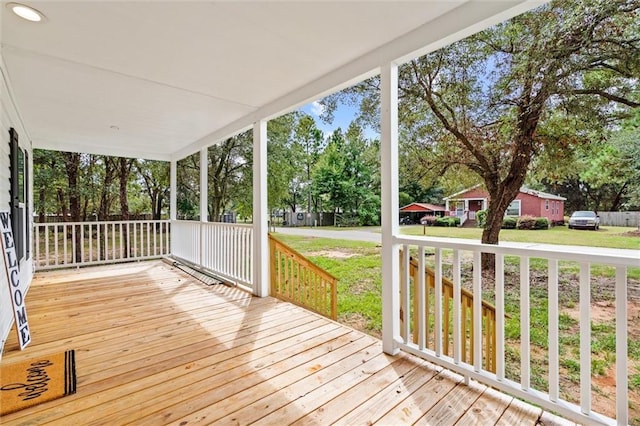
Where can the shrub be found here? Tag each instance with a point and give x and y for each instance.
(481, 218)
(541, 223)
(447, 221)
(526, 222)
(509, 222)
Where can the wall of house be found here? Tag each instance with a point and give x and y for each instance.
(9, 118)
(529, 205)
(534, 206)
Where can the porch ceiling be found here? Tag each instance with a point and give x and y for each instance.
(161, 80)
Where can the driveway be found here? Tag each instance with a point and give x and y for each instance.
(371, 235)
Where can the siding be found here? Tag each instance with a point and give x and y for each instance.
(8, 119)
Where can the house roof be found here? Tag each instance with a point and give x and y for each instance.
(453, 196)
(524, 190)
(163, 79)
(540, 194)
(422, 207)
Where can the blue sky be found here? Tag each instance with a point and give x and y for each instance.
(342, 117)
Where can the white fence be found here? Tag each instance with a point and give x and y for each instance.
(67, 244)
(462, 258)
(225, 249)
(619, 219)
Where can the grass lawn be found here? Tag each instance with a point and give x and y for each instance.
(358, 267)
(612, 237)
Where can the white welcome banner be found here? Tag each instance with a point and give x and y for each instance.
(17, 292)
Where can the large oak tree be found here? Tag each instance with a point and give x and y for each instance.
(484, 102)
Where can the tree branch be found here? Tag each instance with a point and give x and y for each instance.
(606, 95)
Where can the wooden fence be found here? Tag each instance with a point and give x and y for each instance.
(619, 218)
(467, 318)
(296, 279)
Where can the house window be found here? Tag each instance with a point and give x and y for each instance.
(546, 205)
(19, 202)
(513, 209)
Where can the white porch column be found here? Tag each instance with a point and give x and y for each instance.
(260, 229)
(204, 185)
(173, 190)
(390, 215)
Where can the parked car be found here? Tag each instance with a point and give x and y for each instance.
(406, 221)
(584, 219)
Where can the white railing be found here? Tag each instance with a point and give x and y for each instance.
(225, 249)
(464, 217)
(453, 258)
(67, 244)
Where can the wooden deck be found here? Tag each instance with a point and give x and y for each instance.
(155, 346)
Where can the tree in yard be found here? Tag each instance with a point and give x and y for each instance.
(229, 162)
(155, 181)
(605, 173)
(484, 102)
(345, 175)
(280, 169)
(306, 149)
(188, 182)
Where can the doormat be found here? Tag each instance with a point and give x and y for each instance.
(28, 383)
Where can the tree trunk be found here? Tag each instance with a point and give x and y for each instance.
(62, 201)
(72, 164)
(42, 201)
(125, 167)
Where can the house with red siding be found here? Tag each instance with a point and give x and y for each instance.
(528, 202)
(416, 211)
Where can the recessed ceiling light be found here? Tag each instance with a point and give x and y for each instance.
(26, 12)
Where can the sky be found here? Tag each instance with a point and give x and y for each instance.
(342, 117)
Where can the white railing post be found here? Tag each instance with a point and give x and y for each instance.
(260, 207)
(525, 356)
(457, 302)
(389, 213)
(499, 270)
(622, 379)
(585, 338)
(477, 310)
(437, 300)
(554, 366)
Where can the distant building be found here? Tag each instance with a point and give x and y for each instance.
(528, 202)
(414, 212)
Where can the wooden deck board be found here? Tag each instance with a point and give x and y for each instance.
(155, 346)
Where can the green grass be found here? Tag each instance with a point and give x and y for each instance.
(610, 237)
(360, 281)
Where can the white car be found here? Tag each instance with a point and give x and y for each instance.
(584, 219)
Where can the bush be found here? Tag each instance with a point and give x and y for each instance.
(481, 218)
(541, 223)
(526, 222)
(509, 222)
(447, 221)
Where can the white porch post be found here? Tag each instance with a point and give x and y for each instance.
(389, 192)
(204, 185)
(173, 190)
(260, 230)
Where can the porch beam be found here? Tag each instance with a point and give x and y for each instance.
(204, 185)
(173, 193)
(390, 207)
(260, 229)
